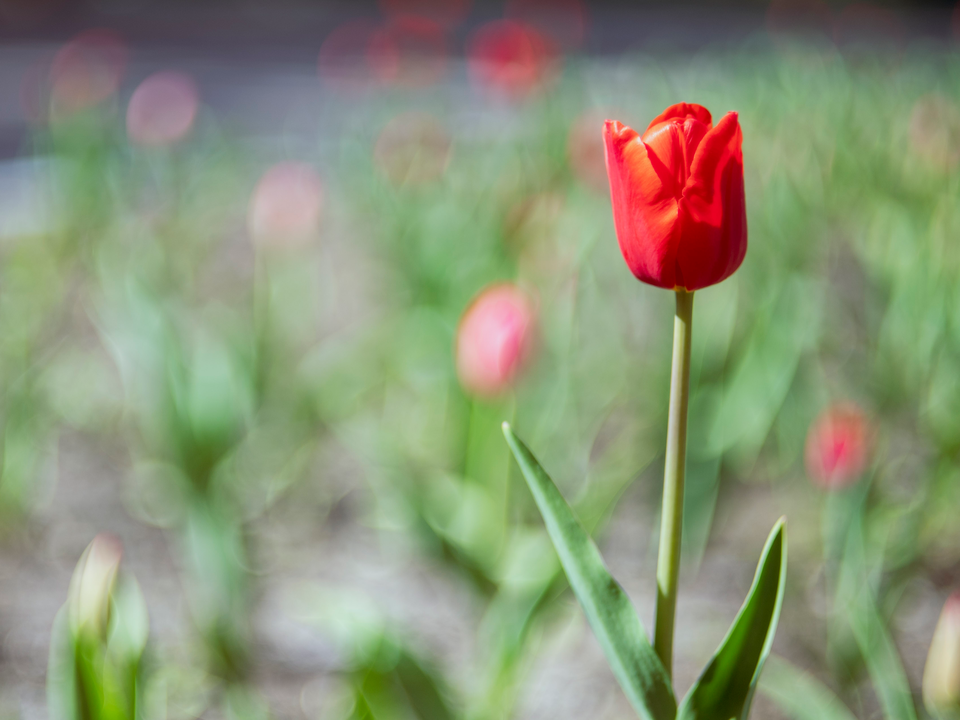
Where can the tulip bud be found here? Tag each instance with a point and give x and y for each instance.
(286, 206)
(92, 586)
(941, 676)
(162, 109)
(836, 449)
(494, 339)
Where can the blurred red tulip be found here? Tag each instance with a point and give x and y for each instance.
(286, 206)
(836, 449)
(494, 339)
(941, 675)
(86, 71)
(409, 50)
(510, 58)
(678, 199)
(162, 109)
(412, 149)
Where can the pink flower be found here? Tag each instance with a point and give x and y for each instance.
(162, 109)
(86, 71)
(494, 339)
(836, 449)
(286, 206)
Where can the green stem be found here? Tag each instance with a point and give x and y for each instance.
(671, 523)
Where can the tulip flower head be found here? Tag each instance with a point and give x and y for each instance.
(836, 449)
(162, 109)
(494, 339)
(941, 676)
(286, 206)
(678, 198)
(86, 71)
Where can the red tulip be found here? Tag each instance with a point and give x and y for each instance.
(678, 200)
(494, 339)
(836, 450)
(510, 58)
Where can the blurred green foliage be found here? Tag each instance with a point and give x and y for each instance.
(144, 314)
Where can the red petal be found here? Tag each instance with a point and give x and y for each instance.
(713, 210)
(682, 111)
(643, 192)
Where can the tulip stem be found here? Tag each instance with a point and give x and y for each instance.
(671, 522)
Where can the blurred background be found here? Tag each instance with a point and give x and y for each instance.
(273, 273)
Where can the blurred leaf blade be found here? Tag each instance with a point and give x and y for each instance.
(725, 688)
(607, 607)
(800, 695)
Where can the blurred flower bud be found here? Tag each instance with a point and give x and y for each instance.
(494, 339)
(412, 149)
(935, 132)
(836, 449)
(286, 206)
(92, 585)
(510, 58)
(86, 71)
(162, 109)
(941, 676)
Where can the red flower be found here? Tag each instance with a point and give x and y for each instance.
(678, 201)
(510, 58)
(494, 339)
(836, 450)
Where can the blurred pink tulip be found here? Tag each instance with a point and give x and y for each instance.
(494, 339)
(162, 109)
(837, 444)
(86, 71)
(286, 206)
(510, 58)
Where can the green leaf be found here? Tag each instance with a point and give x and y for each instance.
(799, 694)
(856, 597)
(725, 688)
(607, 607)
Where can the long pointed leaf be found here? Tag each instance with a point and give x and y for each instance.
(725, 688)
(607, 607)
